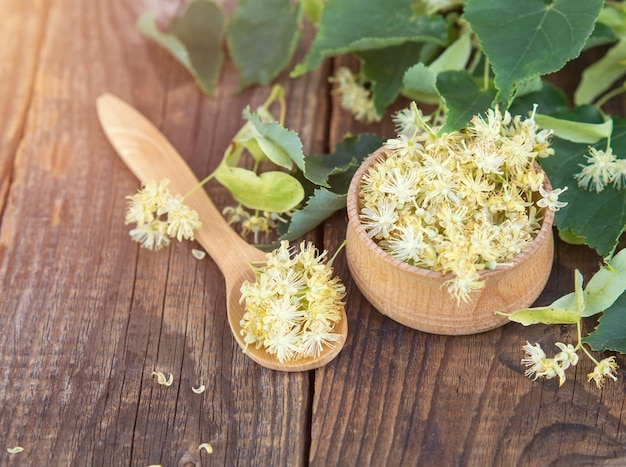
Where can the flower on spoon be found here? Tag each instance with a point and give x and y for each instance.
(294, 305)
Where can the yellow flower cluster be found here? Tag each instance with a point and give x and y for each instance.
(159, 216)
(458, 202)
(292, 308)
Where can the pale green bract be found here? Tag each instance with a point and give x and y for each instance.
(577, 132)
(599, 76)
(605, 293)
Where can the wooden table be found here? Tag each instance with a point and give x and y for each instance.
(86, 316)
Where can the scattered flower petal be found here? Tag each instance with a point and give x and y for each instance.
(199, 390)
(207, 447)
(198, 254)
(162, 379)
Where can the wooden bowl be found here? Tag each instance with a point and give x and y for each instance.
(415, 297)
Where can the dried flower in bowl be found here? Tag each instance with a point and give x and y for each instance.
(445, 229)
(460, 202)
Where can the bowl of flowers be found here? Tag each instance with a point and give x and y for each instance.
(446, 228)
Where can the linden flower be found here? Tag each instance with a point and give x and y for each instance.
(354, 97)
(539, 366)
(599, 171)
(159, 216)
(459, 202)
(550, 199)
(292, 308)
(604, 368)
(619, 177)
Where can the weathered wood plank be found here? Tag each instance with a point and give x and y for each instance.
(396, 396)
(87, 316)
(23, 27)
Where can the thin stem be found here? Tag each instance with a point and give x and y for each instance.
(331, 260)
(201, 183)
(610, 95)
(580, 344)
(486, 75)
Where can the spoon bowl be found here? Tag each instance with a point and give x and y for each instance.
(149, 156)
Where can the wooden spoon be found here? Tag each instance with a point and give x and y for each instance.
(149, 155)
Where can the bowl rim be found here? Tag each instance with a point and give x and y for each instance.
(352, 207)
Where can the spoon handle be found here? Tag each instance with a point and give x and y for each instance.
(150, 156)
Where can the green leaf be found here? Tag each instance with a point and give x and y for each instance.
(610, 334)
(545, 315)
(530, 37)
(601, 35)
(455, 56)
(195, 40)
(463, 98)
(262, 37)
(385, 68)
(599, 76)
(571, 238)
(606, 285)
(419, 84)
(598, 217)
(286, 140)
(549, 99)
(271, 191)
(577, 132)
(419, 81)
(348, 155)
(321, 205)
(614, 17)
(274, 152)
(347, 26)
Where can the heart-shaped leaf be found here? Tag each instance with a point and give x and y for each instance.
(523, 38)
(271, 191)
(378, 24)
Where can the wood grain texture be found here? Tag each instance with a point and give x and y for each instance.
(21, 34)
(86, 315)
(396, 396)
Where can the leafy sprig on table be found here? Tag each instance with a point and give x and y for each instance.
(460, 56)
(303, 190)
